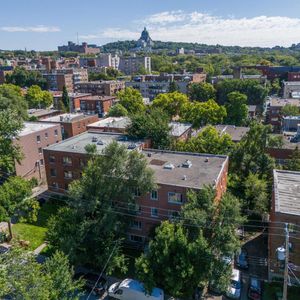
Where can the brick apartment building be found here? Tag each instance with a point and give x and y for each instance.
(72, 124)
(56, 81)
(274, 116)
(285, 209)
(100, 88)
(130, 65)
(74, 100)
(83, 48)
(34, 137)
(97, 104)
(41, 114)
(175, 173)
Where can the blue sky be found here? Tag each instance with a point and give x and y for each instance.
(42, 25)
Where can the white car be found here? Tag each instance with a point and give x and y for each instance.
(130, 289)
(234, 290)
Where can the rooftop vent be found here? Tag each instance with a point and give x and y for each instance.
(94, 139)
(184, 177)
(187, 164)
(206, 159)
(169, 166)
(100, 142)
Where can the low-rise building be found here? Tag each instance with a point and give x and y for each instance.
(130, 65)
(34, 137)
(74, 100)
(100, 88)
(180, 131)
(152, 85)
(252, 111)
(99, 105)
(57, 81)
(274, 116)
(111, 124)
(175, 173)
(290, 88)
(72, 124)
(41, 114)
(285, 209)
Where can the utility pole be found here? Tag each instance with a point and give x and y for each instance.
(286, 265)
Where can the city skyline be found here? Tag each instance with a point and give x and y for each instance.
(250, 23)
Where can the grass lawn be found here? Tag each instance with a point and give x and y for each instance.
(271, 289)
(35, 232)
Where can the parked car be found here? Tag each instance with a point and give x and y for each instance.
(242, 259)
(234, 290)
(130, 289)
(255, 289)
(90, 281)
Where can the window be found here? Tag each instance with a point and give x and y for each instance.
(67, 160)
(174, 197)
(68, 174)
(173, 214)
(136, 238)
(136, 192)
(52, 159)
(82, 163)
(53, 172)
(40, 150)
(66, 186)
(41, 162)
(38, 138)
(136, 224)
(46, 135)
(55, 132)
(154, 212)
(154, 195)
(134, 208)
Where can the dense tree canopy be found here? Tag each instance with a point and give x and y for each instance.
(37, 98)
(208, 140)
(153, 125)
(100, 205)
(202, 91)
(290, 110)
(237, 109)
(22, 277)
(118, 110)
(132, 100)
(171, 103)
(203, 113)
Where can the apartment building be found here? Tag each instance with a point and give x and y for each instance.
(106, 60)
(100, 88)
(56, 81)
(152, 85)
(41, 114)
(274, 116)
(175, 173)
(99, 105)
(285, 209)
(34, 137)
(291, 89)
(74, 100)
(72, 124)
(83, 48)
(130, 65)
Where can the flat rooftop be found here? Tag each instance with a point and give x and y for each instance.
(292, 83)
(190, 170)
(112, 122)
(252, 108)
(99, 98)
(67, 118)
(77, 143)
(41, 112)
(31, 127)
(276, 102)
(287, 192)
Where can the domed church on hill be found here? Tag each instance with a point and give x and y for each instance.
(145, 41)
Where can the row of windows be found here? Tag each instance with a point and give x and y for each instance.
(172, 196)
(67, 160)
(38, 137)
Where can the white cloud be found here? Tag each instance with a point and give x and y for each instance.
(37, 28)
(179, 26)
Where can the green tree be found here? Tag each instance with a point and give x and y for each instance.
(187, 252)
(132, 100)
(293, 163)
(37, 98)
(65, 99)
(153, 125)
(171, 103)
(22, 277)
(10, 153)
(237, 109)
(275, 141)
(202, 91)
(209, 140)
(16, 201)
(173, 87)
(93, 225)
(275, 86)
(290, 110)
(118, 110)
(11, 98)
(203, 113)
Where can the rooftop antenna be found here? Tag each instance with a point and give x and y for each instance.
(77, 39)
